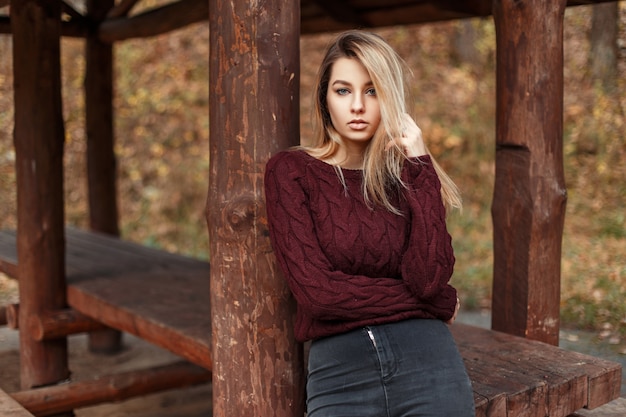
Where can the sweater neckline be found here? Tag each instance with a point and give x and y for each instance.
(347, 172)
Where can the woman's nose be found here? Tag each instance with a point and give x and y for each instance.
(357, 104)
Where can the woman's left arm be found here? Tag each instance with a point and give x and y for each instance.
(428, 263)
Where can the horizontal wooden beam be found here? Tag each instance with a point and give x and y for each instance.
(58, 324)
(51, 325)
(177, 15)
(122, 9)
(154, 22)
(342, 12)
(56, 399)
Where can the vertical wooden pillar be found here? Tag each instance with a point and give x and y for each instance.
(38, 137)
(529, 197)
(253, 107)
(101, 162)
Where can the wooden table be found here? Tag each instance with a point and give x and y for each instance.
(158, 296)
(164, 298)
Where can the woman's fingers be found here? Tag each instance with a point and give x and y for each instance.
(411, 140)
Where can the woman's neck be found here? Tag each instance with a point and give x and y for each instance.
(349, 158)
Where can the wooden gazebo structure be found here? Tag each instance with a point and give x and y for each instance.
(74, 281)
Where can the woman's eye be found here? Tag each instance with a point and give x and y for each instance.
(371, 92)
(342, 91)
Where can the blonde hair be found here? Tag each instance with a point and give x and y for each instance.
(390, 77)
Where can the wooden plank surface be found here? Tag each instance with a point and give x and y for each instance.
(168, 308)
(158, 296)
(537, 379)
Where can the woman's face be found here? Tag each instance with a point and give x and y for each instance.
(352, 102)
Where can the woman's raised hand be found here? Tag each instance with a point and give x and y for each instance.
(410, 141)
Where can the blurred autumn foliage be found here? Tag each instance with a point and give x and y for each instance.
(161, 107)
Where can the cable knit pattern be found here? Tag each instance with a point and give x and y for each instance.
(349, 265)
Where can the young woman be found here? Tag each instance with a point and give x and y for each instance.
(358, 225)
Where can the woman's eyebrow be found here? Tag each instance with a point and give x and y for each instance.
(342, 82)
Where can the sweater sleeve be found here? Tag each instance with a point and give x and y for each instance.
(321, 291)
(428, 263)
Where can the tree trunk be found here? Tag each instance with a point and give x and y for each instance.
(464, 50)
(604, 50)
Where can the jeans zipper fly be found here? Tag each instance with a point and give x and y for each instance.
(371, 335)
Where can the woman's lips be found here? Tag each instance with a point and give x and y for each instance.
(357, 124)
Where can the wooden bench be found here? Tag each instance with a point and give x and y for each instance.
(164, 298)
(513, 376)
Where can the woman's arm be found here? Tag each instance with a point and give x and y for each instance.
(429, 261)
(320, 290)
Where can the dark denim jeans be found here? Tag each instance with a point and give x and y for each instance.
(410, 368)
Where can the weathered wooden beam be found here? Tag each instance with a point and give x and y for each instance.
(122, 9)
(530, 195)
(101, 161)
(39, 137)
(469, 7)
(57, 399)
(154, 22)
(99, 115)
(57, 324)
(253, 112)
(342, 12)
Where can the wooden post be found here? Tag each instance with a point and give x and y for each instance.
(253, 108)
(530, 196)
(38, 137)
(101, 163)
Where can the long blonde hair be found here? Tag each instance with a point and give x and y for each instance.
(390, 76)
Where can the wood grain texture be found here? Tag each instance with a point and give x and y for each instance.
(529, 193)
(38, 137)
(253, 112)
(536, 378)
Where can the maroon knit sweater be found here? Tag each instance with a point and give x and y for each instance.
(349, 265)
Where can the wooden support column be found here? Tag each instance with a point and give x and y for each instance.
(253, 107)
(101, 162)
(38, 137)
(529, 198)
